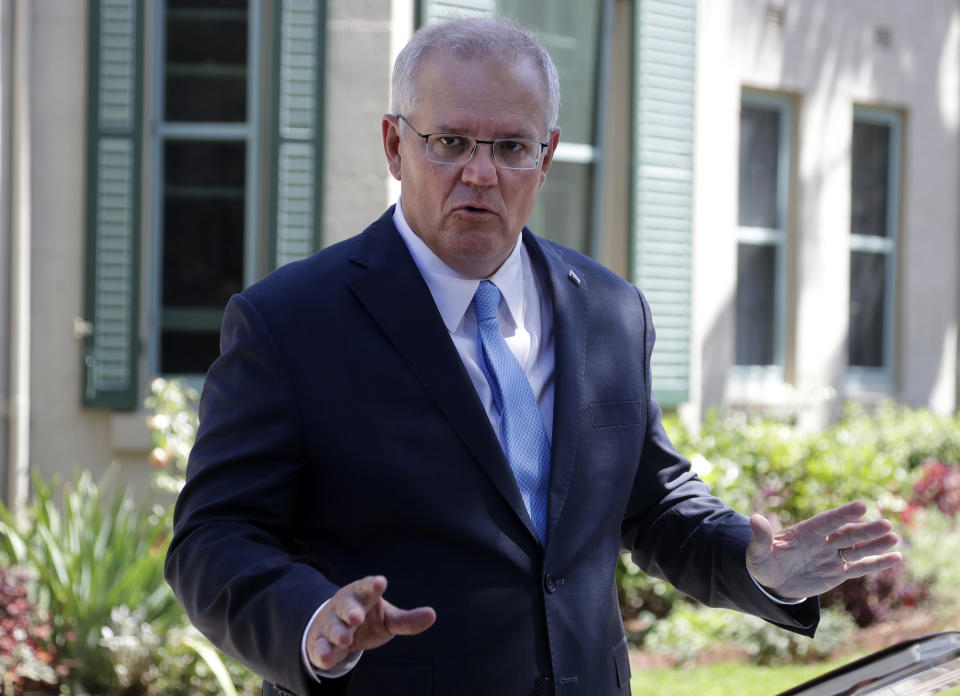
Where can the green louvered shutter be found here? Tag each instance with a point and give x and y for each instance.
(435, 10)
(297, 115)
(111, 342)
(665, 40)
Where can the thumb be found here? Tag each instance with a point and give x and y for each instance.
(761, 540)
(408, 622)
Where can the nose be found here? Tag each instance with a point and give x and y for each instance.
(480, 170)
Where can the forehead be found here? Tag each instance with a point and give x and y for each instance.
(484, 94)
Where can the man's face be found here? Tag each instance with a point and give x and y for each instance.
(470, 214)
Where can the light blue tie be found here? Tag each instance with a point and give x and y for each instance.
(524, 437)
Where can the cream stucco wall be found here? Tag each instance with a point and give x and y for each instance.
(63, 435)
(826, 58)
(361, 40)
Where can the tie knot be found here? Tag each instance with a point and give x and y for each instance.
(486, 301)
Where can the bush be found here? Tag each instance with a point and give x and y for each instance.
(895, 459)
(99, 553)
(27, 657)
(758, 465)
(173, 428)
(98, 560)
(689, 631)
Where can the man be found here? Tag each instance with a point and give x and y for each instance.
(463, 410)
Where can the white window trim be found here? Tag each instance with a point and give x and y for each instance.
(881, 379)
(751, 379)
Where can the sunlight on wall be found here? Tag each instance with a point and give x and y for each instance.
(949, 86)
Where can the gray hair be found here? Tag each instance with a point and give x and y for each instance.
(472, 38)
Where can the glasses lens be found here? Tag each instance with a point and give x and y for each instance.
(447, 148)
(516, 154)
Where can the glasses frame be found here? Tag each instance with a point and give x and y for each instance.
(476, 143)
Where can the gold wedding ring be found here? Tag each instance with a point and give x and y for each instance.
(842, 557)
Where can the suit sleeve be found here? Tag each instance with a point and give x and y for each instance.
(232, 560)
(691, 538)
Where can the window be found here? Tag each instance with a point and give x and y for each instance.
(205, 164)
(762, 229)
(232, 185)
(874, 160)
(571, 31)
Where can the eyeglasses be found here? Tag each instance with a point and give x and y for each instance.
(454, 148)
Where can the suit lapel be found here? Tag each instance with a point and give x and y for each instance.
(397, 298)
(570, 316)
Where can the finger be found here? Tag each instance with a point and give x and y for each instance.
(408, 622)
(357, 598)
(339, 634)
(369, 589)
(855, 533)
(827, 523)
(870, 548)
(872, 564)
(761, 542)
(323, 654)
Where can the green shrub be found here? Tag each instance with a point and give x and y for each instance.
(173, 428)
(98, 560)
(768, 466)
(690, 630)
(90, 555)
(758, 465)
(930, 542)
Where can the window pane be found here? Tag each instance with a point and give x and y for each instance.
(188, 353)
(203, 223)
(759, 164)
(867, 295)
(207, 4)
(569, 30)
(756, 302)
(562, 212)
(206, 63)
(870, 175)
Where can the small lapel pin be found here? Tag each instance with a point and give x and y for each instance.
(574, 278)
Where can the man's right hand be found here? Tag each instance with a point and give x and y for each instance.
(356, 618)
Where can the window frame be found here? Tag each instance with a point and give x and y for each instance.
(858, 376)
(776, 237)
(249, 132)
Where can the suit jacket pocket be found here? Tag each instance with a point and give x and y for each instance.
(608, 414)
(621, 663)
(399, 678)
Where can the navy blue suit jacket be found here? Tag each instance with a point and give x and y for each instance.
(340, 436)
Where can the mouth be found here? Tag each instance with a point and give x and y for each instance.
(474, 210)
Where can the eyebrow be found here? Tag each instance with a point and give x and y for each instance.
(445, 128)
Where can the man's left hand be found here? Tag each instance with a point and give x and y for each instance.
(816, 555)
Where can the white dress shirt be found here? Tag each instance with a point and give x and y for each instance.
(525, 317)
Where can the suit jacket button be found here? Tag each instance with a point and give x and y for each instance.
(549, 583)
(543, 687)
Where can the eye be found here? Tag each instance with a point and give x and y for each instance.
(450, 142)
(512, 146)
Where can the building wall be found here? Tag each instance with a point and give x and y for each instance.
(362, 38)
(825, 56)
(6, 58)
(63, 435)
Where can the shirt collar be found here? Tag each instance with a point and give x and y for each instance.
(452, 291)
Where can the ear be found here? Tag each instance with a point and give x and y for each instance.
(553, 139)
(390, 126)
